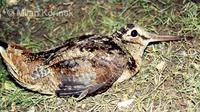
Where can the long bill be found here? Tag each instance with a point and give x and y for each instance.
(159, 38)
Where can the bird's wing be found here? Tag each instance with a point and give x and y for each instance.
(88, 66)
(84, 75)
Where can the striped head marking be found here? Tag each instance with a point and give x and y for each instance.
(135, 36)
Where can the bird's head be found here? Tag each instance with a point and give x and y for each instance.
(136, 39)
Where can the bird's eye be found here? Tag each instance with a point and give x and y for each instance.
(134, 33)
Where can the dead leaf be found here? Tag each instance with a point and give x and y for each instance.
(11, 2)
(125, 103)
(161, 65)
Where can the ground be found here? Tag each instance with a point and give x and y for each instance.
(169, 79)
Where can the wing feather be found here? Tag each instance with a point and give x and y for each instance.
(89, 74)
(85, 65)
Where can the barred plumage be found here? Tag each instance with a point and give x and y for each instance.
(83, 65)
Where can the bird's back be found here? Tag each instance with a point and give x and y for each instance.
(81, 66)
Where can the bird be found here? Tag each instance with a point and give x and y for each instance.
(84, 65)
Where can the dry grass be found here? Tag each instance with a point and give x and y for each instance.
(173, 86)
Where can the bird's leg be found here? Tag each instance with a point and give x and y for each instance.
(90, 89)
(82, 95)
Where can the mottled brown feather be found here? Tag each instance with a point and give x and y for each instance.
(88, 63)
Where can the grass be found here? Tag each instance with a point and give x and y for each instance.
(175, 87)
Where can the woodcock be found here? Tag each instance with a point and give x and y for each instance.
(80, 66)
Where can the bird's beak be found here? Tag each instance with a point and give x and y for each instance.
(159, 38)
(148, 37)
